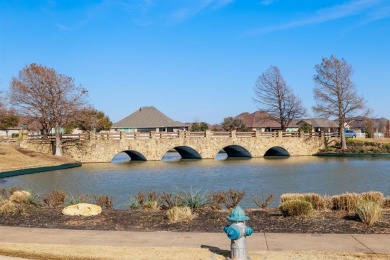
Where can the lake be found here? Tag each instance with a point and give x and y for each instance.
(123, 179)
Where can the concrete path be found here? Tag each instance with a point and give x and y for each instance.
(349, 243)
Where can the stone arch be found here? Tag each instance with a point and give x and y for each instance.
(134, 155)
(187, 152)
(276, 151)
(237, 151)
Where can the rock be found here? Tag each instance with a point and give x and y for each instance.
(20, 196)
(82, 209)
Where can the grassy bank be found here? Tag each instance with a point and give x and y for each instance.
(13, 158)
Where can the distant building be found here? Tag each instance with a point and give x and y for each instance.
(147, 119)
(263, 122)
(380, 126)
(320, 125)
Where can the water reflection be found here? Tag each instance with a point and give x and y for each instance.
(254, 176)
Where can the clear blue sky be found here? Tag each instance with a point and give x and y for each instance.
(196, 60)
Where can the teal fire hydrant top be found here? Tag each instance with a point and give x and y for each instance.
(237, 215)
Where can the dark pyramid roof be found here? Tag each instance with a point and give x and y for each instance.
(147, 117)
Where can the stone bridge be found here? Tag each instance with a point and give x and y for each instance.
(190, 145)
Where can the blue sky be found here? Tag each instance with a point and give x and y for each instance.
(196, 60)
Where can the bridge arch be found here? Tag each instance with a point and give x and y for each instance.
(185, 152)
(277, 151)
(237, 151)
(134, 155)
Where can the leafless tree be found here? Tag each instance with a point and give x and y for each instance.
(335, 93)
(51, 98)
(276, 98)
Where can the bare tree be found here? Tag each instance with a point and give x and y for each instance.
(335, 93)
(233, 123)
(277, 99)
(47, 96)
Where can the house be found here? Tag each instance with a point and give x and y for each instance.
(263, 122)
(147, 119)
(24, 123)
(379, 127)
(320, 125)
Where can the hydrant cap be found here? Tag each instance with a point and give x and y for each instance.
(237, 215)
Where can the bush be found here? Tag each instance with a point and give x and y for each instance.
(54, 198)
(193, 199)
(170, 200)
(216, 199)
(296, 208)
(262, 202)
(73, 200)
(104, 201)
(346, 201)
(180, 214)
(369, 212)
(233, 197)
(373, 196)
(314, 199)
(21, 197)
(386, 203)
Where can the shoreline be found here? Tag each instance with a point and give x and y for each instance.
(24, 171)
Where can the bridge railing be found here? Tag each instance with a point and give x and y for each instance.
(172, 135)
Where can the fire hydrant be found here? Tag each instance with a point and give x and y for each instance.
(237, 232)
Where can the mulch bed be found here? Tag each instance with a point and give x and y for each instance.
(267, 220)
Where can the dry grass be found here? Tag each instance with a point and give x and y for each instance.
(369, 212)
(346, 201)
(13, 158)
(317, 201)
(180, 214)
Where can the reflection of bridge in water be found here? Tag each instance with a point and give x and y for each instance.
(190, 145)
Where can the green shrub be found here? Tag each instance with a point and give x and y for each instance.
(369, 212)
(193, 199)
(296, 208)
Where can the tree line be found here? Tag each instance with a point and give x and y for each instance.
(55, 102)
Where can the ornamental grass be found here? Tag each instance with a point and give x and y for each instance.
(346, 201)
(180, 214)
(296, 208)
(317, 201)
(374, 196)
(369, 212)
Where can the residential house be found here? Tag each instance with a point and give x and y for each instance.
(263, 122)
(147, 119)
(379, 126)
(320, 125)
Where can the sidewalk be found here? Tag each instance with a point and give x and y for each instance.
(348, 243)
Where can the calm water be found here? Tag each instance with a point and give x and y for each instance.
(124, 180)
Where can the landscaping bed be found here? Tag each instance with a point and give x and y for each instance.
(261, 220)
